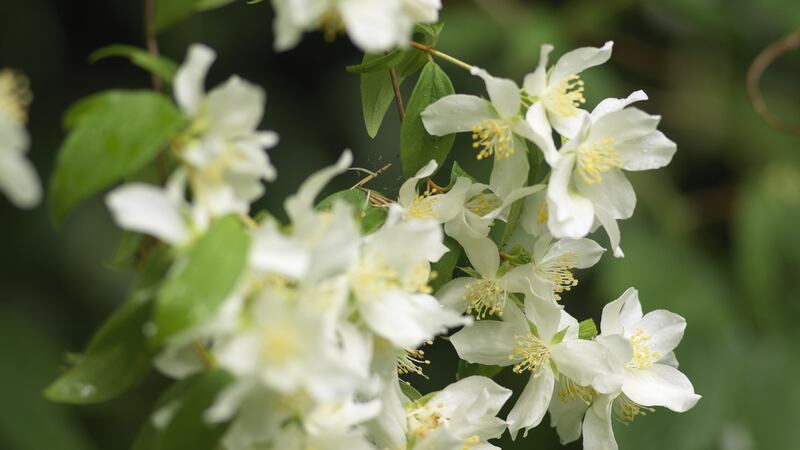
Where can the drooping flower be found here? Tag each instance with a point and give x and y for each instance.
(587, 180)
(223, 148)
(18, 178)
(543, 341)
(556, 95)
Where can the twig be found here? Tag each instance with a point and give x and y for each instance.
(150, 37)
(432, 51)
(203, 355)
(370, 177)
(760, 64)
(398, 97)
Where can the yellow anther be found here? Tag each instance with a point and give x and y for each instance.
(541, 213)
(411, 361)
(493, 137)
(626, 410)
(485, 297)
(566, 97)
(15, 95)
(597, 157)
(570, 391)
(643, 354)
(483, 204)
(422, 207)
(532, 354)
(559, 272)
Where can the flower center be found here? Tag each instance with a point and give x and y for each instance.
(15, 95)
(422, 206)
(541, 213)
(279, 344)
(626, 410)
(483, 204)
(558, 271)
(569, 391)
(411, 361)
(566, 97)
(426, 419)
(375, 278)
(595, 158)
(532, 353)
(643, 354)
(485, 297)
(493, 137)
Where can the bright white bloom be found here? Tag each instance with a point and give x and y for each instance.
(223, 147)
(587, 181)
(372, 25)
(432, 205)
(160, 212)
(543, 341)
(497, 126)
(557, 94)
(18, 178)
(554, 260)
(649, 377)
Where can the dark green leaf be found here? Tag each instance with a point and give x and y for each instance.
(535, 158)
(587, 329)
(378, 62)
(117, 357)
(445, 266)
(514, 215)
(162, 67)
(202, 279)
(376, 96)
(115, 134)
(188, 399)
(466, 369)
(170, 12)
(457, 172)
(417, 147)
(127, 250)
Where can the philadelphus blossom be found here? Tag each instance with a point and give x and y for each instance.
(373, 26)
(222, 148)
(649, 375)
(18, 178)
(543, 341)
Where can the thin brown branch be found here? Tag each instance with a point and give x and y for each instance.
(152, 47)
(398, 97)
(371, 176)
(756, 71)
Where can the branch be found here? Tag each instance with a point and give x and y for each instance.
(760, 64)
(398, 97)
(150, 36)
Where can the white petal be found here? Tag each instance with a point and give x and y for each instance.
(545, 314)
(147, 209)
(581, 360)
(486, 342)
(408, 320)
(534, 214)
(190, 78)
(302, 202)
(511, 173)
(449, 205)
(623, 126)
(664, 328)
(371, 25)
(455, 113)
(235, 108)
(18, 179)
(651, 151)
(583, 253)
(529, 410)
(503, 93)
(481, 251)
(621, 314)
(409, 188)
(660, 385)
(541, 132)
(405, 244)
(619, 352)
(614, 194)
(569, 127)
(612, 229)
(598, 434)
(566, 416)
(570, 214)
(578, 60)
(610, 105)
(534, 83)
(273, 252)
(451, 295)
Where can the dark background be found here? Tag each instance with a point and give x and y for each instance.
(715, 237)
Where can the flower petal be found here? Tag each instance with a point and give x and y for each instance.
(147, 209)
(578, 60)
(481, 251)
(651, 151)
(610, 105)
(580, 360)
(511, 173)
(623, 126)
(612, 229)
(370, 25)
(18, 179)
(660, 385)
(583, 253)
(302, 203)
(189, 84)
(503, 93)
(598, 434)
(535, 82)
(664, 328)
(566, 415)
(451, 295)
(614, 194)
(621, 314)
(456, 113)
(570, 215)
(529, 410)
(541, 133)
(235, 108)
(408, 191)
(486, 342)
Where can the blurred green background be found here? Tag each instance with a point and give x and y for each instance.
(715, 238)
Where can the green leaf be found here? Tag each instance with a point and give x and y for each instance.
(457, 172)
(370, 217)
(125, 256)
(587, 329)
(446, 265)
(114, 135)
(378, 62)
(535, 158)
(187, 401)
(170, 12)
(417, 147)
(514, 215)
(117, 357)
(162, 67)
(466, 369)
(376, 96)
(416, 59)
(558, 337)
(409, 391)
(201, 280)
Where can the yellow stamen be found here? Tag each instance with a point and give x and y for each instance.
(597, 157)
(422, 207)
(532, 352)
(493, 137)
(15, 95)
(566, 97)
(643, 354)
(485, 297)
(558, 271)
(422, 421)
(483, 204)
(541, 213)
(570, 391)
(411, 361)
(626, 410)
(374, 278)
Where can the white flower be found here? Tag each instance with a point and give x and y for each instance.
(223, 148)
(372, 25)
(160, 212)
(587, 181)
(543, 341)
(18, 178)
(460, 416)
(554, 260)
(643, 347)
(557, 94)
(497, 128)
(432, 205)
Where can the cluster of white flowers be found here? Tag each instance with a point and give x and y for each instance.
(372, 25)
(18, 177)
(326, 317)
